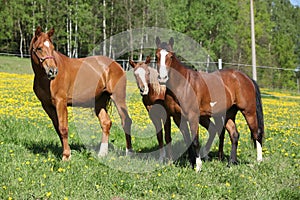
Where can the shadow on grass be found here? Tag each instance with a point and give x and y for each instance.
(45, 147)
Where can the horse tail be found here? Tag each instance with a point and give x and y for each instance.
(259, 113)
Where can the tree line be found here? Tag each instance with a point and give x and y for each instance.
(221, 27)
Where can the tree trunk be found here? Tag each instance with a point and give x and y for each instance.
(75, 54)
(104, 28)
(111, 31)
(21, 38)
(130, 29)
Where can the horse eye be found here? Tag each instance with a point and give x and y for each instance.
(39, 48)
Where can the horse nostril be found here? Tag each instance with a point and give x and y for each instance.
(52, 73)
(162, 78)
(55, 71)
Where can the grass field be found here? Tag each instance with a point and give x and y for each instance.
(31, 166)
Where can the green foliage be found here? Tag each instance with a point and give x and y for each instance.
(221, 27)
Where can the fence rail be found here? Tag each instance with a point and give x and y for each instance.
(125, 63)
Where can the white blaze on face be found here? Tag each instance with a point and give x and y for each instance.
(140, 72)
(163, 69)
(47, 43)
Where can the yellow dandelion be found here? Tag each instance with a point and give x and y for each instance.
(61, 169)
(48, 194)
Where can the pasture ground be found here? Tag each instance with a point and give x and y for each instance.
(31, 166)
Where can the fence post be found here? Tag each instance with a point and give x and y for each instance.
(220, 64)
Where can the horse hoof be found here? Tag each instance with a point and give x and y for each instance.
(129, 152)
(66, 158)
(198, 164)
(232, 163)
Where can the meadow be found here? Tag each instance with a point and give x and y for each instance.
(31, 166)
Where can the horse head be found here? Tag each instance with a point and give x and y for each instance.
(42, 52)
(142, 75)
(164, 55)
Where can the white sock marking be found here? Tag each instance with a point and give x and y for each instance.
(103, 150)
(259, 151)
(198, 164)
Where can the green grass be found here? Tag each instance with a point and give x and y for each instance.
(31, 166)
(15, 65)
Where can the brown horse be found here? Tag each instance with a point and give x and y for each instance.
(153, 95)
(220, 94)
(60, 81)
(156, 99)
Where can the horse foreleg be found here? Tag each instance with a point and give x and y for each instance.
(220, 126)
(52, 113)
(210, 127)
(62, 115)
(184, 129)
(234, 136)
(195, 134)
(125, 120)
(156, 120)
(105, 123)
(168, 138)
(221, 145)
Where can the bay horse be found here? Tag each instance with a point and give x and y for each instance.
(60, 81)
(219, 94)
(155, 97)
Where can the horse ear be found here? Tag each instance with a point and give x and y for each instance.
(157, 42)
(171, 42)
(133, 64)
(38, 31)
(50, 32)
(148, 60)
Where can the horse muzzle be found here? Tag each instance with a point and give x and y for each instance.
(163, 80)
(144, 91)
(52, 73)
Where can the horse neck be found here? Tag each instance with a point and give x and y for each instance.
(178, 67)
(37, 69)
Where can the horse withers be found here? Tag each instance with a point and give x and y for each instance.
(219, 94)
(60, 81)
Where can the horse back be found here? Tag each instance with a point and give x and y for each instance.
(240, 86)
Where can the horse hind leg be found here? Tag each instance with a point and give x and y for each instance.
(253, 126)
(105, 122)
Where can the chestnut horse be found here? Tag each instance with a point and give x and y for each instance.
(153, 95)
(219, 94)
(60, 81)
(156, 98)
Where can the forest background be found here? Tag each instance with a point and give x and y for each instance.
(221, 27)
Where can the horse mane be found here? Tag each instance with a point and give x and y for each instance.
(154, 81)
